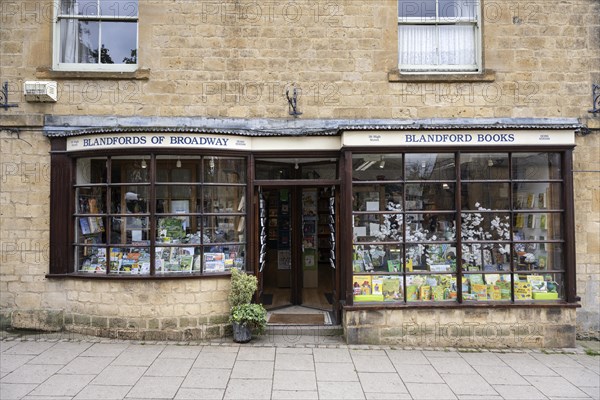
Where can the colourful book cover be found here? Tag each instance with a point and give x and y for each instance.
(85, 226)
(412, 292)
(425, 293)
(522, 291)
(480, 290)
(392, 288)
(361, 284)
(493, 292)
(377, 285)
(438, 293)
(538, 284)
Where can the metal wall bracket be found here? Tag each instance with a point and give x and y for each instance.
(293, 103)
(595, 99)
(4, 97)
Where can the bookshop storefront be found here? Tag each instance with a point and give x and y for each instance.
(431, 236)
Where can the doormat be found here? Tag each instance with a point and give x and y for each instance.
(266, 299)
(297, 319)
(329, 297)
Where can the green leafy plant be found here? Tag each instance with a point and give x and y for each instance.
(243, 287)
(253, 316)
(243, 312)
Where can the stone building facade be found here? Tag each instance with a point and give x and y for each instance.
(225, 67)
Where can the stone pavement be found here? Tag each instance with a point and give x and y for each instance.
(69, 366)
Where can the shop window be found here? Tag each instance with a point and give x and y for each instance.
(439, 36)
(458, 227)
(189, 217)
(96, 35)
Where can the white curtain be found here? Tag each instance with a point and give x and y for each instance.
(68, 33)
(434, 45)
(77, 38)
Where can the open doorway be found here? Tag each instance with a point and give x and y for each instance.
(298, 266)
(296, 236)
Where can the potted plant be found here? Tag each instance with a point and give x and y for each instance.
(245, 317)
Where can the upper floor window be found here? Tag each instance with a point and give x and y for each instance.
(96, 35)
(439, 35)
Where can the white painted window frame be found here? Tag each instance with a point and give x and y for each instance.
(444, 68)
(88, 67)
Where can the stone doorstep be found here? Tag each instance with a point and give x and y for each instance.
(305, 330)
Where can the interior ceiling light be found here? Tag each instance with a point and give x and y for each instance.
(178, 163)
(143, 164)
(382, 163)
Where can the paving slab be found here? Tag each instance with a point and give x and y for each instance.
(12, 391)
(332, 355)
(100, 392)
(294, 362)
(555, 386)
(418, 374)
(336, 372)
(207, 378)
(195, 394)
(86, 365)
(31, 373)
(154, 387)
(62, 385)
(119, 375)
(169, 367)
(500, 375)
(469, 384)
(430, 391)
(381, 382)
(519, 392)
(248, 389)
(294, 380)
(340, 391)
(216, 359)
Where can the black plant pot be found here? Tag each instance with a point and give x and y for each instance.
(241, 333)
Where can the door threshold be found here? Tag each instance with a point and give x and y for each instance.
(299, 316)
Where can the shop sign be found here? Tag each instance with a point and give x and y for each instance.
(458, 138)
(167, 140)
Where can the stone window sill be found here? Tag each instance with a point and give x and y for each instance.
(485, 76)
(47, 73)
(104, 276)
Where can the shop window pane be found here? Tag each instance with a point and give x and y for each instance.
(378, 258)
(486, 287)
(484, 166)
(539, 256)
(431, 257)
(130, 260)
(537, 196)
(91, 170)
(185, 259)
(223, 258)
(130, 169)
(378, 288)
(177, 199)
(484, 226)
(539, 287)
(381, 197)
(538, 226)
(224, 170)
(427, 167)
(129, 199)
(376, 167)
(224, 199)
(377, 227)
(174, 230)
(431, 288)
(536, 166)
(318, 171)
(273, 170)
(486, 257)
(177, 169)
(426, 227)
(485, 195)
(90, 200)
(224, 229)
(90, 230)
(430, 196)
(90, 259)
(130, 230)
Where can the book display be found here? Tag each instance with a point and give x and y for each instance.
(195, 228)
(510, 240)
